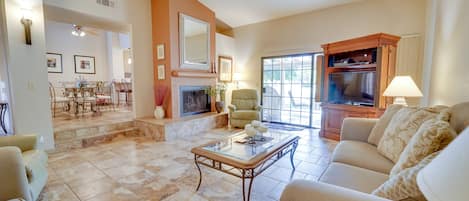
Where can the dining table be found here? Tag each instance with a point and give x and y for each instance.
(80, 96)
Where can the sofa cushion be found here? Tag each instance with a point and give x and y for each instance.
(404, 184)
(402, 127)
(245, 114)
(306, 190)
(378, 130)
(459, 116)
(361, 154)
(433, 135)
(352, 177)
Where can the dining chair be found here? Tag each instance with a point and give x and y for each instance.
(54, 99)
(122, 88)
(128, 92)
(87, 96)
(104, 95)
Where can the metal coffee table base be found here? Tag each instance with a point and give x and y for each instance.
(246, 173)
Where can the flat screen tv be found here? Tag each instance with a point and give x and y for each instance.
(352, 88)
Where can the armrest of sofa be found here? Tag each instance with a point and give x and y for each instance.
(302, 190)
(357, 129)
(258, 108)
(232, 108)
(24, 142)
(13, 174)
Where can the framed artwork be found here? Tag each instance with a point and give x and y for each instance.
(84, 65)
(225, 69)
(160, 51)
(161, 73)
(54, 62)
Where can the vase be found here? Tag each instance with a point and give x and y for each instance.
(220, 106)
(159, 112)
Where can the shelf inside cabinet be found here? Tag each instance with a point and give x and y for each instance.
(367, 67)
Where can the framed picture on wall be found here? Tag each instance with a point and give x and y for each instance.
(84, 64)
(161, 73)
(54, 62)
(225, 69)
(160, 51)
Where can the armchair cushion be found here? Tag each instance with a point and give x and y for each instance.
(245, 99)
(24, 142)
(244, 104)
(245, 114)
(361, 154)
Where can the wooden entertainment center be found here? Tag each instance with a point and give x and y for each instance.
(357, 71)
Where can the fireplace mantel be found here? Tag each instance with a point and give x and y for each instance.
(193, 74)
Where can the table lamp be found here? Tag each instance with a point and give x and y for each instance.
(447, 176)
(401, 87)
(237, 78)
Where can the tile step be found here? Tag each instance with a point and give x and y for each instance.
(109, 136)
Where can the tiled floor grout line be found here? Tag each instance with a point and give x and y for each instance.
(74, 193)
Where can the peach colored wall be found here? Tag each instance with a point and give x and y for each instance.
(161, 32)
(165, 15)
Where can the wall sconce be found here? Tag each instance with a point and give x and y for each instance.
(27, 22)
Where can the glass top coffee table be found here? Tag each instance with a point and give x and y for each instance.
(245, 157)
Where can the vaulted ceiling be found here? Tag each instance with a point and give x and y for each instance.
(237, 13)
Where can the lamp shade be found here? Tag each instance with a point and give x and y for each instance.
(402, 86)
(237, 76)
(447, 176)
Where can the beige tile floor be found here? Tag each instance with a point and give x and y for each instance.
(65, 121)
(140, 169)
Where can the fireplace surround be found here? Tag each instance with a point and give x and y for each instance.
(193, 100)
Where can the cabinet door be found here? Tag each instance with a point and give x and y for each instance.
(335, 118)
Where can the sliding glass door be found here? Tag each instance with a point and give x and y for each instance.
(288, 89)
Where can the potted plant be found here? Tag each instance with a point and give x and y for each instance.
(160, 94)
(218, 91)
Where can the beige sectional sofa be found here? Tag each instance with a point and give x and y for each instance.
(357, 168)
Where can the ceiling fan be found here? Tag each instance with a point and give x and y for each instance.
(81, 31)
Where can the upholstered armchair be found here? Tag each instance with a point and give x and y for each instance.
(23, 168)
(244, 107)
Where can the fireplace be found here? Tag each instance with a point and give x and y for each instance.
(193, 100)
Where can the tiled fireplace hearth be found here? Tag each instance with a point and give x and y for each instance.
(193, 100)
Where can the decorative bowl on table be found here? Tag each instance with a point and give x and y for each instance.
(250, 130)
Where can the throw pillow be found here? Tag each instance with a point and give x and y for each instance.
(402, 127)
(404, 184)
(433, 135)
(378, 130)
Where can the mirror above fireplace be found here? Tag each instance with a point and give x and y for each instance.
(194, 43)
